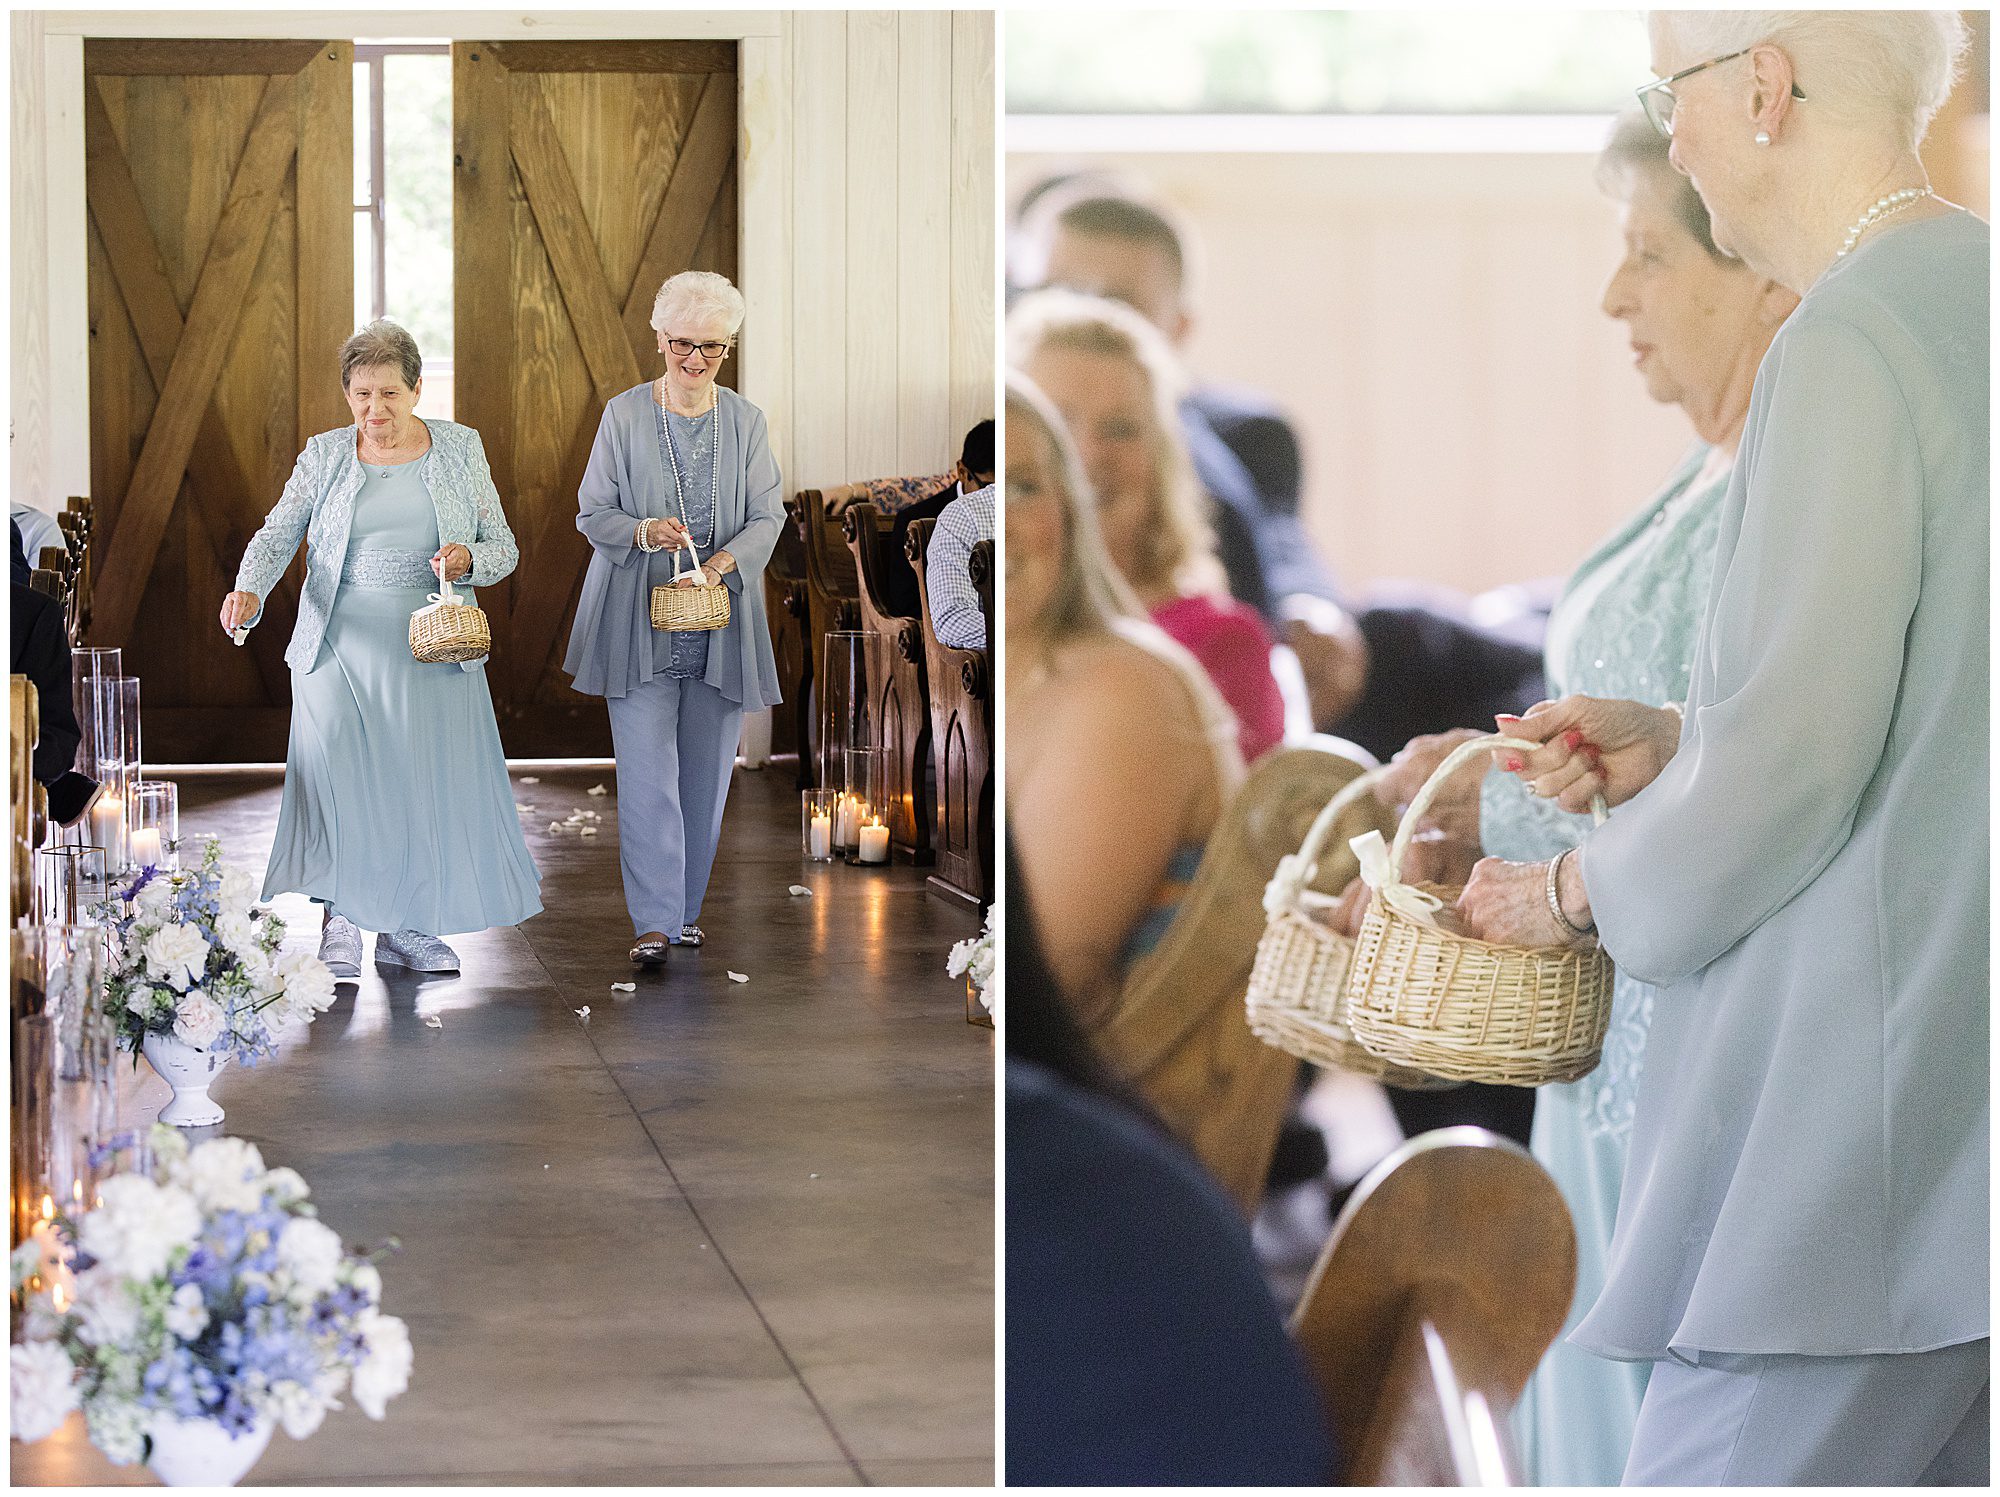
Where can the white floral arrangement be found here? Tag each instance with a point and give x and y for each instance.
(193, 958)
(204, 1288)
(978, 958)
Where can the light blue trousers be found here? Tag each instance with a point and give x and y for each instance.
(675, 742)
(1909, 1419)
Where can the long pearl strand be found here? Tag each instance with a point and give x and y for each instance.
(1880, 209)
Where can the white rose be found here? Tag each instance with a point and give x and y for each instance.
(308, 986)
(187, 1313)
(368, 1279)
(43, 1389)
(238, 931)
(301, 1409)
(139, 1224)
(107, 1312)
(286, 1186)
(309, 1252)
(152, 901)
(198, 1019)
(224, 1174)
(177, 954)
(385, 1365)
(239, 891)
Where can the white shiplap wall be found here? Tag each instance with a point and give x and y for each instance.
(867, 171)
(892, 275)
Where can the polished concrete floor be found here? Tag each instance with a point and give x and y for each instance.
(718, 1233)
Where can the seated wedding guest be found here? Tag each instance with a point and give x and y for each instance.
(1120, 754)
(973, 471)
(1624, 626)
(956, 617)
(40, 651)
(1143, 1347)
(678, 462)
(39, 531)
(1798, 861)
(1112, 378)
(1376, 675)
(397, 815)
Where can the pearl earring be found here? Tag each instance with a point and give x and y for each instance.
(1763, 137)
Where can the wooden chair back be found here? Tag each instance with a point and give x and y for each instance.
(1446, 1278)
(1178, 1030)
(960, 686)
(77, 522)
(24, 731)
(898, 678)
(786, 606)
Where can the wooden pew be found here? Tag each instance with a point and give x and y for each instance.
(785, 605)
(1447, 1276)
(1177, 1030)
(24, 731)
(78, 523)
(961, 686)
(898, 682)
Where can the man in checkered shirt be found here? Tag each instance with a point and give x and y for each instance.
(955, 615)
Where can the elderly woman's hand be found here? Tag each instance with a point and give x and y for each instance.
(1591, 746)
(667, 533)
(237, 610)
(1454, 810)
(712, 571)
(1508, 904)
(452, 562)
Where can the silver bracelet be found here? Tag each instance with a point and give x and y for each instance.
(1574, 931)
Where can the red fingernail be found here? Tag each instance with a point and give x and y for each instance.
(1505, 717)
(1513, 765)
(1572, 738)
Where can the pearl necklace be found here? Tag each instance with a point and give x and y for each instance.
(1880, 209)
(714, 465)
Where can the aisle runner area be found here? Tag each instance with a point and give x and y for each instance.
(717, 1233)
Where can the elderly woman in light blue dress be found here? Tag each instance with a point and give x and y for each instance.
(678, 462)
(1798, 861)
(397, 812)
(1699, 323)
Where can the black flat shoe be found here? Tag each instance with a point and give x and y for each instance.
(649, 954)
(691, 935)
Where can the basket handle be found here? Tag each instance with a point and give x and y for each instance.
(700, 574)
(1287, 891)
(446, 596)
(1444, 772)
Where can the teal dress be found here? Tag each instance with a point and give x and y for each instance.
(1625, 626)
(397, 809)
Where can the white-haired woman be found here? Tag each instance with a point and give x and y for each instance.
(678, 461)
(397, 813)
(1801, 1244)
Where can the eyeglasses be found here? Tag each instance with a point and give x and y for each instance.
(682, 347)
(1657, 97)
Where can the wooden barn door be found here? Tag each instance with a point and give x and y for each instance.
(221, 285)
(586, 174)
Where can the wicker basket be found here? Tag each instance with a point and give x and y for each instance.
(1298, 985)
(1421, 995)
(705, 606)
(450, 630)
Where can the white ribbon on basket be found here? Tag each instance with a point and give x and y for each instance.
(700, 571)
(448, 598)
(1382, 865)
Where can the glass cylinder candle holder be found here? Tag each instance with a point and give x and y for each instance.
(816, 814)
(155, 824)
(864, 788)
(847, 718)
(129, 753)
(72, 885)
(64, 1085)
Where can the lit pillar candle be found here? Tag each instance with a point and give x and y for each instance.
(845, 822)
(107, 828)
(822, 836)
(875, 843)
(146, 847)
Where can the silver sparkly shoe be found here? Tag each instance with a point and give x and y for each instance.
(417, 951)
(340, 948)
(691, 935)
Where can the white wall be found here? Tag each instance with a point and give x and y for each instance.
(1431, 322)
(867, 226)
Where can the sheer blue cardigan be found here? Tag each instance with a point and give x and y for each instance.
(611, 643)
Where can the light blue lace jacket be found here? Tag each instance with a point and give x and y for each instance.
(1625, 626)
(318, 506)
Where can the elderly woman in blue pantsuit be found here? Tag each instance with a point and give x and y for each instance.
(678, 462)
(397, 812)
